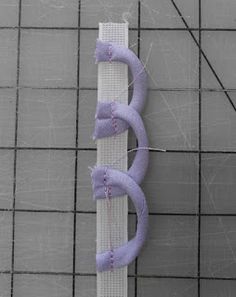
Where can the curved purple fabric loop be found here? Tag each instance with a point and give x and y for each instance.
(126, 253)
(109, 51)
(105, 123)
(114, 111)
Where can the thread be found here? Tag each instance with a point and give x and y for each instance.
(156, 149)
(138, 149)
(107, 190)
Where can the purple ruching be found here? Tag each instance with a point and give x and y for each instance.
(113, 118)
(117, 111)
(126, 253)
(109, 51)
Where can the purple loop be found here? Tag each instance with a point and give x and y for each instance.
(104, 121)
(114, 118)
(131, 117)
(126, 253)
(108, 52)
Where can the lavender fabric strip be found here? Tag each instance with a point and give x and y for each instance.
(117, 111)
(113, 118)
(126, 253)
(108, 51)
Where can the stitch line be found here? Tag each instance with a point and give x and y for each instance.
(110, 53)
(113, 118)
(111, 246)
(111, 259)
(107, 189)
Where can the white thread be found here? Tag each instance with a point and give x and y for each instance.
(156, 149)
(146, 148)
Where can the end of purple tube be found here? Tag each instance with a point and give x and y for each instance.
(102, 51)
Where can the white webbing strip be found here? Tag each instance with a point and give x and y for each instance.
(112, 85)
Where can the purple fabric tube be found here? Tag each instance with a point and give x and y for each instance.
(114, 111)
(113, 118)
(126, 253)
(109, 51)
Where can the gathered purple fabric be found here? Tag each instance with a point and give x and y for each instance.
(126, 253)
(117, 111)
(109, 51)
(113, 118)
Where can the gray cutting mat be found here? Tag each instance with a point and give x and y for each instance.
(47, 104)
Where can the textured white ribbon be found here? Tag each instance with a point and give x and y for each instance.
(112, 85)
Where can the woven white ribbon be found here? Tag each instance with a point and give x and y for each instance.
(112, 86)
